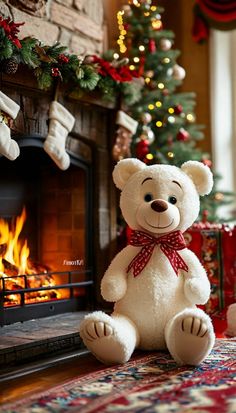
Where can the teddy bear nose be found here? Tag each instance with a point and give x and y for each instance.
(159, 205)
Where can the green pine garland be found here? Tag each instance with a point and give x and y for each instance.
(6, 46)
(50, 63)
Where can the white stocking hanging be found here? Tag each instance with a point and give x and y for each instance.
(60, 124)
(8, 111)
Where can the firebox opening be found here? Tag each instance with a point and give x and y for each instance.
(57, 225)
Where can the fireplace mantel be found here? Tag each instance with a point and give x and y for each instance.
(25, 79)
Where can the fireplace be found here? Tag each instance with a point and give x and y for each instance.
(60, 209)
(53, 209)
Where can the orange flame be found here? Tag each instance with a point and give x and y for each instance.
(17, 252)
(15, 261)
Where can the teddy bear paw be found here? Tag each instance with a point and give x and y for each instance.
(190, 337)
(95, 330)
(111, 339)
(100, 338)
(195, 326)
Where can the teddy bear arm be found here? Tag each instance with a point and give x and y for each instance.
(197, 286)
(114, 281)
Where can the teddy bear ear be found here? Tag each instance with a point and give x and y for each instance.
(200, 174)
(124, 169)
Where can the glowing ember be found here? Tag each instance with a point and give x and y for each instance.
(16, 268)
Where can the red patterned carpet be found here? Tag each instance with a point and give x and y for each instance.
(150, 383)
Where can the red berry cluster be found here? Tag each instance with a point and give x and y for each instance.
(55, 72)
(63, 58)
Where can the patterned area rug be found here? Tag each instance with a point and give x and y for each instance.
(150, 384)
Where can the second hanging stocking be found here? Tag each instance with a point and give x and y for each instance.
(60, 124)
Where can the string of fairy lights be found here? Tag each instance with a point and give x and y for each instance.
(122, 30)
(156, 24)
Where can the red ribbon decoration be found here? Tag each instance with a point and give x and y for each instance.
(200, 29)
(11, 30)
(152, 46)
(119, 74)
(218, 10)
(169, 244)
(220, 14)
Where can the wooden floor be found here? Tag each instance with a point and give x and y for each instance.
(43, 380)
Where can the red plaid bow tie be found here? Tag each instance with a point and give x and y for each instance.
(169, 244)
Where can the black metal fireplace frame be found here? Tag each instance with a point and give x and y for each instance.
(24, 312)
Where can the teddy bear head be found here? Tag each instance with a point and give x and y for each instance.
(159, 199)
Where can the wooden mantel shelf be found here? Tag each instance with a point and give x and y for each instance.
(25, 79)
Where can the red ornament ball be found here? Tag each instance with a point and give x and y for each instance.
(207, 162)
(182, 135)
(142, 149)
(178, 109)
(165, 92)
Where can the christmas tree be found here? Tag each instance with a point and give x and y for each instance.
(167, 131)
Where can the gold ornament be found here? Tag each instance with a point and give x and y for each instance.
(170, 155)
(149, 73)
(156, 24)
(191, 118)
(219, 196)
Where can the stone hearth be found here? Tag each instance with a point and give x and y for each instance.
(37, 344)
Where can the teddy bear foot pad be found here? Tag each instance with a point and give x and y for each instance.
(191, 339)
(104, 337)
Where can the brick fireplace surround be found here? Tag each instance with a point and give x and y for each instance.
(89, 143)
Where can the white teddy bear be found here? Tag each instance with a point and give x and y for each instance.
(155, 281)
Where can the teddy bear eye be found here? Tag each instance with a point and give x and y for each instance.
(148, 197)
(172, 199)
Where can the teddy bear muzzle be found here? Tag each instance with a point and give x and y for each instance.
(158, 216)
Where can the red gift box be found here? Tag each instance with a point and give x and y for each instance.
(215, 246)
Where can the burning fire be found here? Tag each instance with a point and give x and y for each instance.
(15, 265)
(14, 252)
